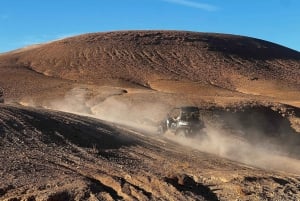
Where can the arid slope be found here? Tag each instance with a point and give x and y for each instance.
(48, 155)
(146, 58)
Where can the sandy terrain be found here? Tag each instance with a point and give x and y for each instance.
(80, 118)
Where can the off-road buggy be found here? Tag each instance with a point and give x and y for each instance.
(183, 121)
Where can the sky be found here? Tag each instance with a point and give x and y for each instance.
(28, 22)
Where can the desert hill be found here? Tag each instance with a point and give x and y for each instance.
(80, 118)
(148, 57)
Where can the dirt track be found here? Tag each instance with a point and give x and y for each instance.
(57, 156)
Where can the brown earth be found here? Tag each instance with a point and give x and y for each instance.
(247, 89)
(49, 155)
(152, 58)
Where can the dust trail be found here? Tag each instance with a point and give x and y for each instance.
(238, 149)
(114, 106)
(75, 101)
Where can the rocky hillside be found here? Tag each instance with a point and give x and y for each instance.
(48, 155)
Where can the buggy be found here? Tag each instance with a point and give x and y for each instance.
(182, 121)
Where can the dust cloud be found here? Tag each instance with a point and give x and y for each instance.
(75, 101)
(266, 156)
(114, 106)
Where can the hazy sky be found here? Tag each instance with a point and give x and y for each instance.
(26, 22)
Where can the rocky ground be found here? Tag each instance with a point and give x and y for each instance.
(48, 155)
